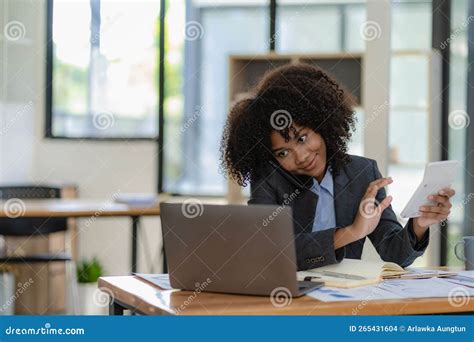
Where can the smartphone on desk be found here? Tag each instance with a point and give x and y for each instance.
(438, 176)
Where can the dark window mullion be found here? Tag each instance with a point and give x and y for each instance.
(441, 31)
(49, 70)
(161, 95)
(273, 14)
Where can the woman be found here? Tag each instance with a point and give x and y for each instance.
(290, 142)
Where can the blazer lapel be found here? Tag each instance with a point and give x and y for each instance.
(345, 202)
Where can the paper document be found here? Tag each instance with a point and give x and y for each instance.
(465, 278)
(160, 280)
(420, 273)
(396, 289)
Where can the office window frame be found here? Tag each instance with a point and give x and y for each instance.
(193, 52)
(48, 124)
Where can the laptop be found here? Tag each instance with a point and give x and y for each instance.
(236, 249)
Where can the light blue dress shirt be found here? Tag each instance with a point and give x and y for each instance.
(325, 214)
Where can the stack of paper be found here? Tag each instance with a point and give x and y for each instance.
(463, 283)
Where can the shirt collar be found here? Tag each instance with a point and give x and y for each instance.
(327, 182)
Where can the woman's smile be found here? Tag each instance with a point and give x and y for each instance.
(311, 165)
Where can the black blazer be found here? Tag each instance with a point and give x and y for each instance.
(314, 249)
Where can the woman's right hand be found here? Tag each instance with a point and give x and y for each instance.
(370, 210)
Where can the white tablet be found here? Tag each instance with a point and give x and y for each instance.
(438, 176)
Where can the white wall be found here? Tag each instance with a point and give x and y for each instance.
(98, 168)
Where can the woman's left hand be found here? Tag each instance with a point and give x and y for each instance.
(436, 213)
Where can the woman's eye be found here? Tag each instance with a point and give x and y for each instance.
(302, 139)
(282, 154)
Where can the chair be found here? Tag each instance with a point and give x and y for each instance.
(21, 226)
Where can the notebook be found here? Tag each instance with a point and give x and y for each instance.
(352, 273)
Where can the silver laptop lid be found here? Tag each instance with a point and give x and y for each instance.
(229, 248)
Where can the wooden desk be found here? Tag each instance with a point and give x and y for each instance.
(76, 208)
(129, 292)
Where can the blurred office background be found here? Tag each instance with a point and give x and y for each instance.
(131, 96)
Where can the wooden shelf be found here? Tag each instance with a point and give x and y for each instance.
(246, 70)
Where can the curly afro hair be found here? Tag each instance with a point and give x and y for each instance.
(295, 93)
